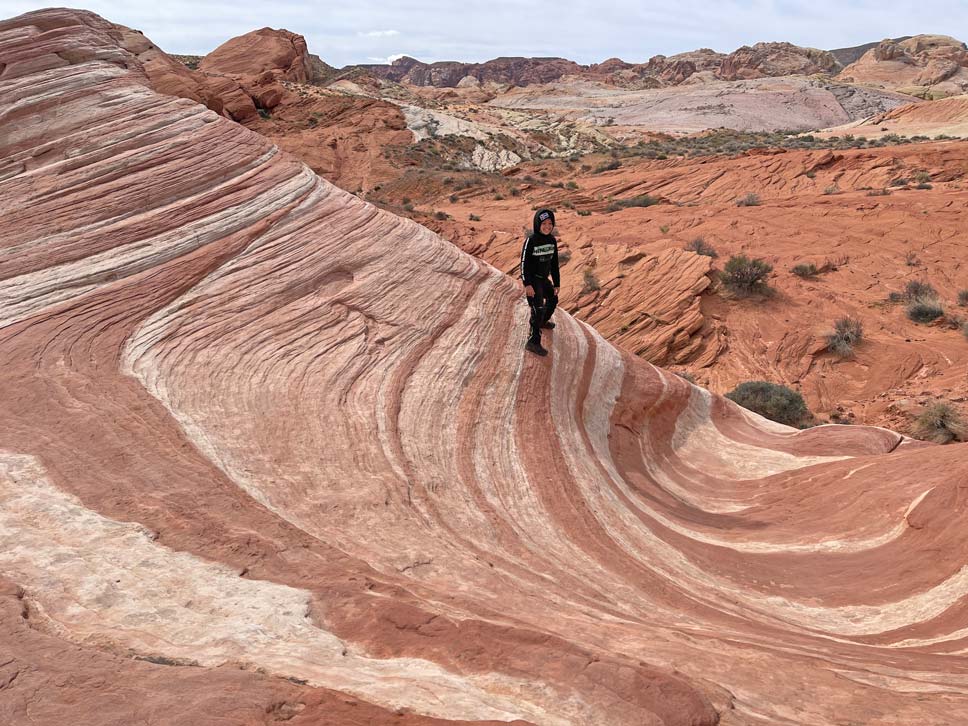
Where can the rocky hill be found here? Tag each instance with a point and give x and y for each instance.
(759, 61)
(279, 52)
(929, 66)
(846, 56)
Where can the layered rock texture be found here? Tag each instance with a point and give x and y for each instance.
(280, 52)
(924, 65)
(268, 453)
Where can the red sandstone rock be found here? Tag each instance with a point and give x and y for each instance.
(861, 242)
(279, 52)
(516, 71)
(64, 37)
(776, 59)
(926, 65)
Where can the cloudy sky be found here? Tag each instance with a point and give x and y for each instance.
(368, 31)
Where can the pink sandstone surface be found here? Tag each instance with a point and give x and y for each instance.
(269, 453)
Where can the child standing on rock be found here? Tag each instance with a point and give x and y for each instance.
(539, 259)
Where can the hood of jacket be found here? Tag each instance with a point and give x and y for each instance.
(540, 216)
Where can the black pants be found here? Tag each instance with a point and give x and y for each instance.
(543, 304)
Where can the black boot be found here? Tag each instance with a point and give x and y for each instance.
(535, 348)
(547, 325)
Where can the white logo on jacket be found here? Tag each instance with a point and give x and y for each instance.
(543, 250)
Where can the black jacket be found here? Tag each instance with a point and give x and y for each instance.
(539, 254)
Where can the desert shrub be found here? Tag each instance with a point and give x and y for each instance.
(452, 198)
(750, 200)
(919, 289)
(771, 400)
(832, 189)
(804, 270)
(911, 259)
(923, 185)
(879, 192)
(405, 200)
(563, 256)
(963, 298)
(642, 200)
(896, 297)
(924, 310)
(264, 114)
(810, 174)
(848, 332)
(608, 166)
(590, 281)
(700, 247)
(543, 173)
(498, 197)
(898, 182)
(441, 216)
(583, 213)
(922, 177)
(941, 423)
(743, 276)
(474, 218)
(571, 185)
(408, 207)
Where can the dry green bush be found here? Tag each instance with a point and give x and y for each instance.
(744, 276)
(919, 289)
(941, 423)
(848, 332)
(924, 310)
(701, 247)
(773, 401)
(643, 200)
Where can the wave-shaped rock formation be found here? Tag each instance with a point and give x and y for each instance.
(269, 453)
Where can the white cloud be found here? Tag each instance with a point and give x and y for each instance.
(384, 60)
(379, 34)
